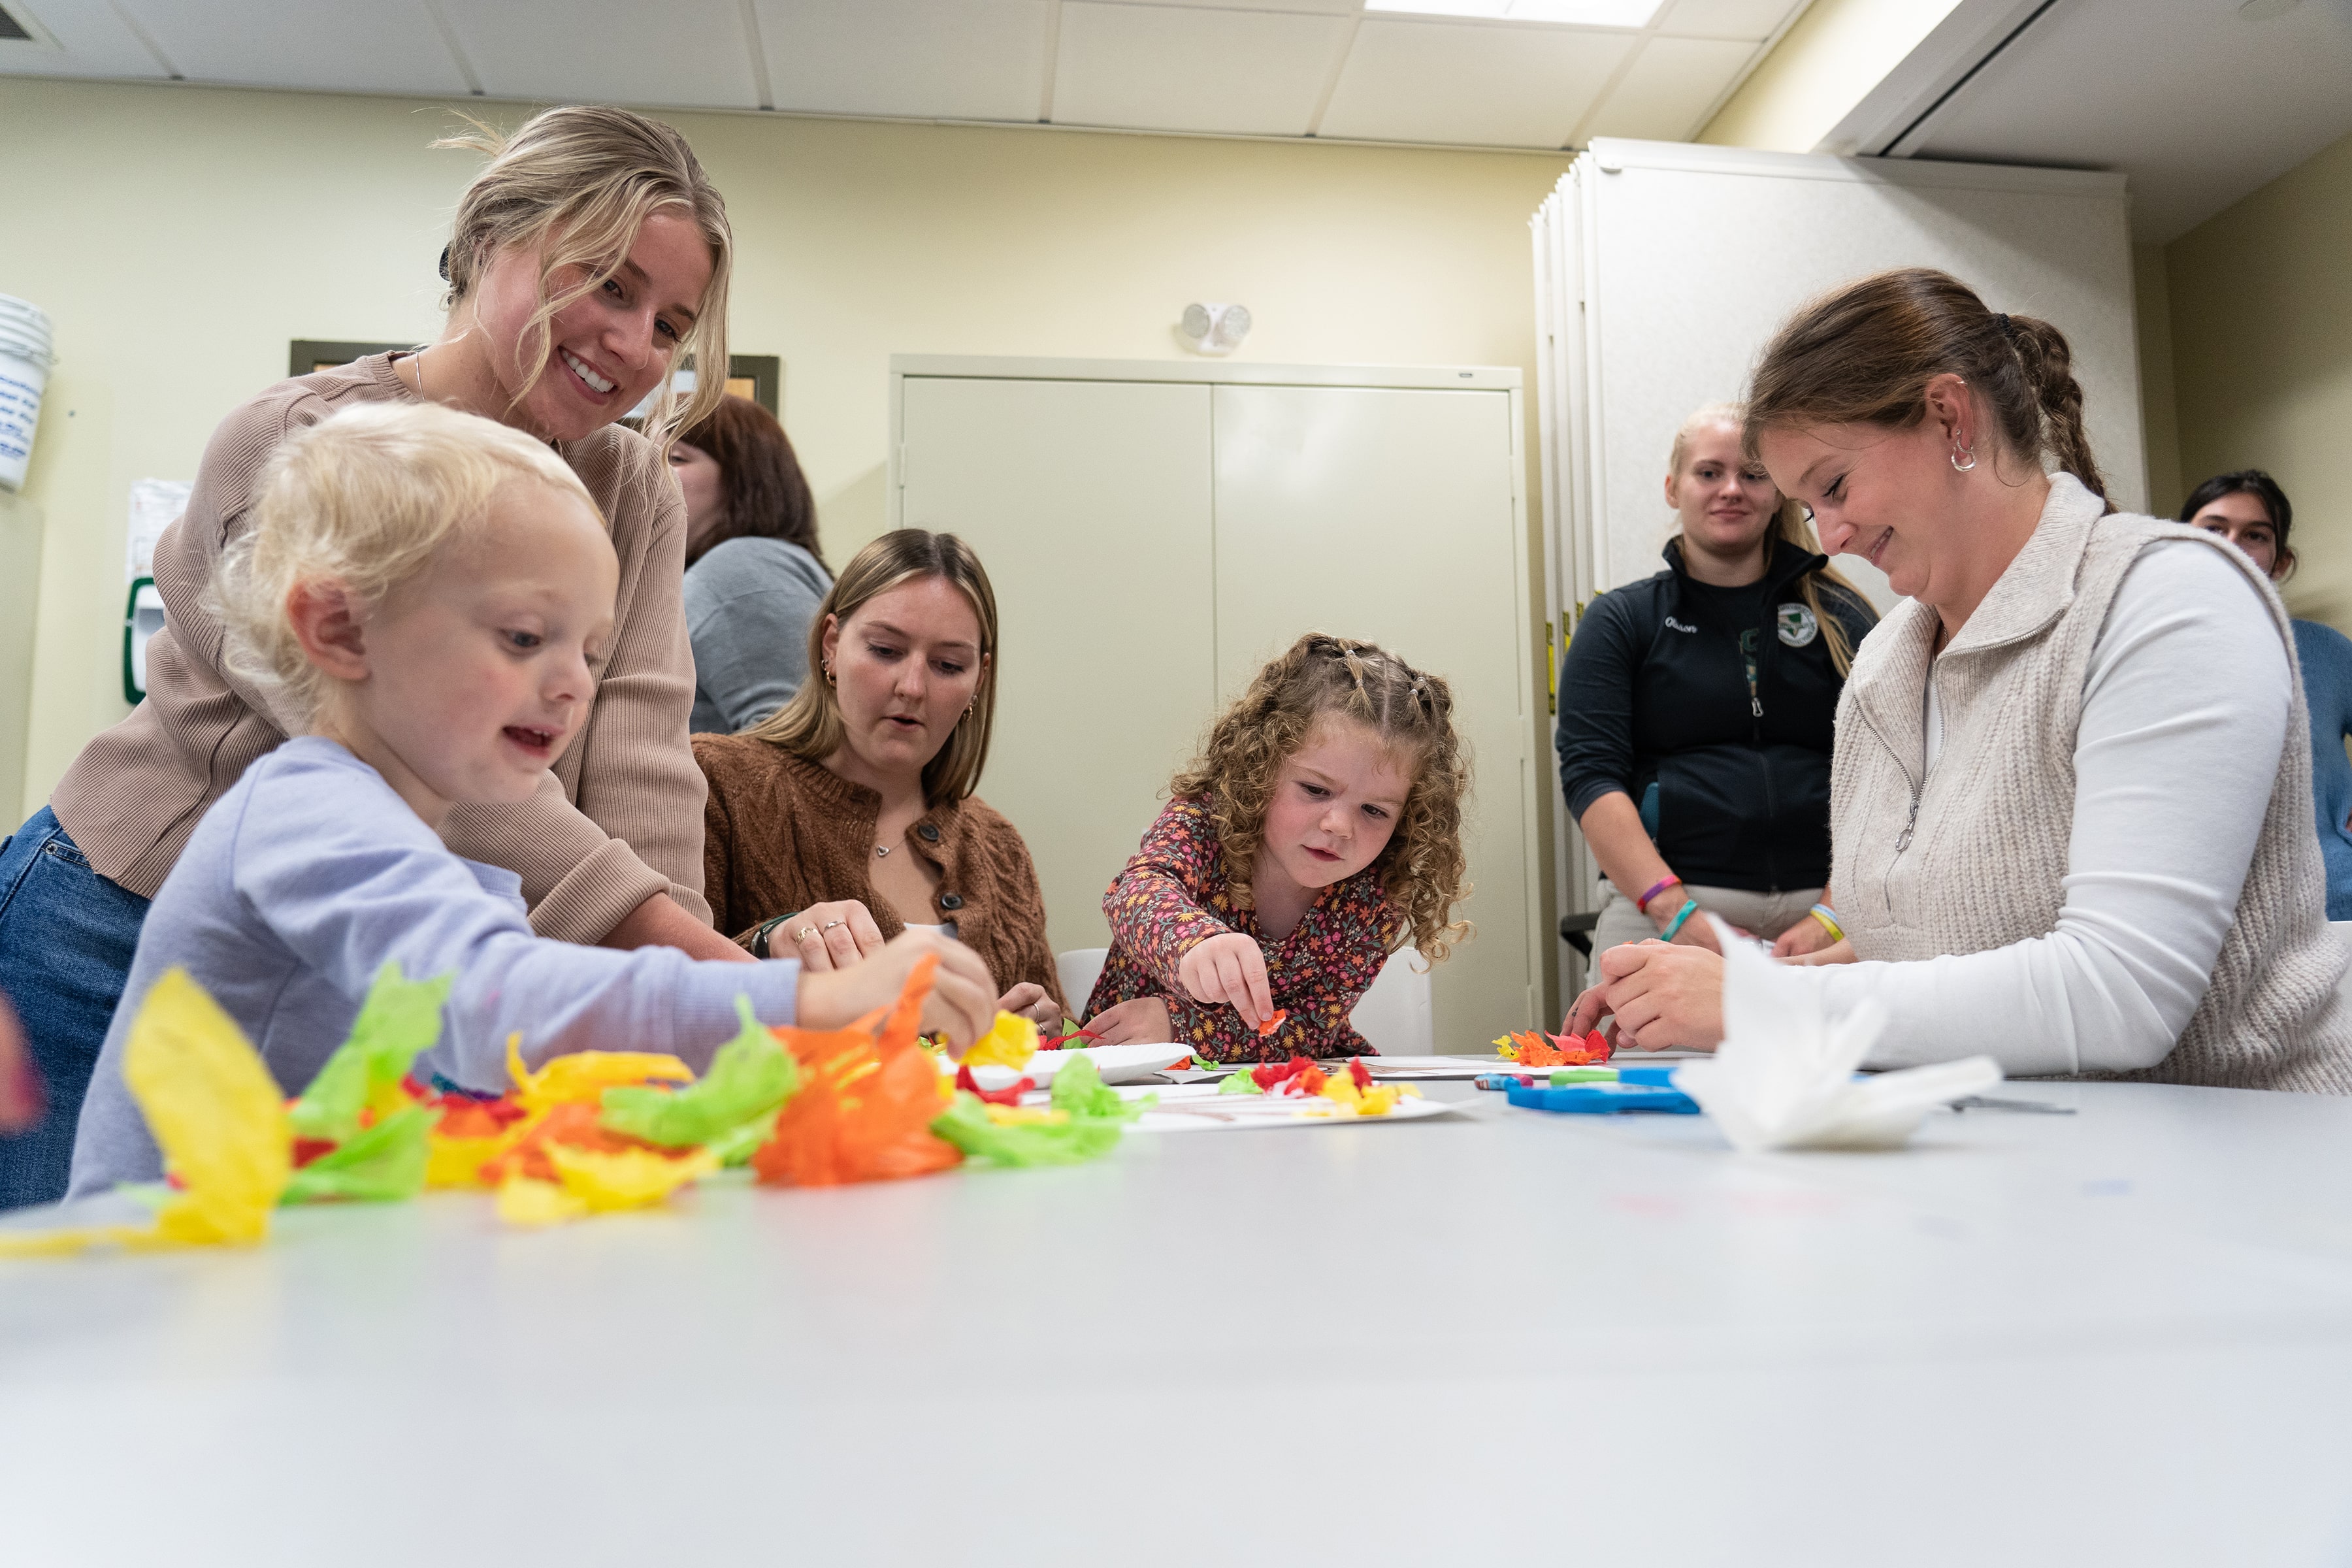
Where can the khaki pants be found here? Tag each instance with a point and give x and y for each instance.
(1766, 914)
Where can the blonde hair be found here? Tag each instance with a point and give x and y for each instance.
(809, 726)
(579, 183)
(1791, 524)
(363, 500)
(1423, 873)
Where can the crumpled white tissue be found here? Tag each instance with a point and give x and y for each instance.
(1784, 1077)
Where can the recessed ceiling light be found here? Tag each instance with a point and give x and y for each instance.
(2264, 10)
(1588, 13)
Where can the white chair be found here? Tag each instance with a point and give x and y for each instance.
(1079, 969)
(1395, 1017)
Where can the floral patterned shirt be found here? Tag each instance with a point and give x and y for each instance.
(1175, 894)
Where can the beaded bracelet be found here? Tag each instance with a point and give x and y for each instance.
(1827, 917)
(1660, 886)
(1681, 915)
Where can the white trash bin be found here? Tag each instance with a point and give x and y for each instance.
(24, 360)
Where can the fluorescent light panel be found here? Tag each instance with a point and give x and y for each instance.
(1585, 13)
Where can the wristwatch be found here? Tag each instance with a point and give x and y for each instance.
(760, 934)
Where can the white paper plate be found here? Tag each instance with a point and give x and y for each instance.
(1117, 1064)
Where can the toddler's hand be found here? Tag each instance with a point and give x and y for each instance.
(1138, 1021)
(962, 1003)
(1229, 968)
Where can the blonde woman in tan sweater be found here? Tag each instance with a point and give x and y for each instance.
(587, 256)
(2070, 807)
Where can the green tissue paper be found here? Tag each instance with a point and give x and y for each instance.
(400, 1021)
(749, 1080)
(383, 1163)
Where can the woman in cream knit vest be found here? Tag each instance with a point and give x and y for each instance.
(2070, 799)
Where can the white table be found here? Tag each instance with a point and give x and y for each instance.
(2118, 1337)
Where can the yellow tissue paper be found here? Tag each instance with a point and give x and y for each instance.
(527, 1201)
(596, 1183)
(586, 1075)
(630, 1179)
(1010, 1044)
(216, 1114)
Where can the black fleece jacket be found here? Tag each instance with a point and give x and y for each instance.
(1655, 690)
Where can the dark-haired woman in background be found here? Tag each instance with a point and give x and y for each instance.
(2248, 510)
(2070, 811)
(753, 574)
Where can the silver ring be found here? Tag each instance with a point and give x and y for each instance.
(804, 934)
(830, 924)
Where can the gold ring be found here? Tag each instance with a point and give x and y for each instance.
(804, 933)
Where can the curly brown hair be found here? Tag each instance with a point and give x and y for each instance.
(1422, 870)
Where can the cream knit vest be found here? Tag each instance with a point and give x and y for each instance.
(1970, 858)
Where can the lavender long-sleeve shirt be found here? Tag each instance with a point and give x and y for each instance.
(310, 874)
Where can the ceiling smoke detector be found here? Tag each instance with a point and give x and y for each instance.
(1215, 329)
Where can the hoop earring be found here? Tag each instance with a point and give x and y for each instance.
(1959, 467)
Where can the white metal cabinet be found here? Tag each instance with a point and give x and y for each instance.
(1154, 532)
(1386, 513)
(1089, 504)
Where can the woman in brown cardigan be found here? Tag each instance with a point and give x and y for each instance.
(849, 815)
(587, 254)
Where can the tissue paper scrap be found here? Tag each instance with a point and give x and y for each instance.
(1784, 1077)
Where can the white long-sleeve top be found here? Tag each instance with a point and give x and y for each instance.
(2185, 710)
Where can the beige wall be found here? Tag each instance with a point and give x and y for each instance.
(2261, 346)
(2159, 423)
(1819, 70)
(180, 236)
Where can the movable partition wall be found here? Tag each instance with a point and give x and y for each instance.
(1661, 269)
(1155, 532)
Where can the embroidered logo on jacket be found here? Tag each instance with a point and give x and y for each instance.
(1798, 626)
(1675, 626)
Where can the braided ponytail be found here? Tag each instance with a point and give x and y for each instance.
(2049, 365)
(1864, 355)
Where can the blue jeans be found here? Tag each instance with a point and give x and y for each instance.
(67, 935)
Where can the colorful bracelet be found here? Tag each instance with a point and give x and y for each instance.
(1660, 886)
(1827, 917)
(1682, 916)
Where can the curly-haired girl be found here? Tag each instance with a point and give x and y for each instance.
(1318, 831)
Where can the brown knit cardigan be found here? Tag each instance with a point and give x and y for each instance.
(780, 833)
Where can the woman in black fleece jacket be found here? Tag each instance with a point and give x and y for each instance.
(1697, 707)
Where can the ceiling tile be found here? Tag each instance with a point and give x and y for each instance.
(951, 59)
(1503, 87)
(91, 40)
(1669, 88)
(1156, 68)
(1749, 19)
(325, 45)
(2198, 103)
(685, 52)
